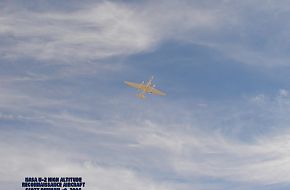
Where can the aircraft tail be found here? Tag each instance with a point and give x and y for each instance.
(141, 95)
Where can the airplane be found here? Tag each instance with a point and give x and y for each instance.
(149, 87)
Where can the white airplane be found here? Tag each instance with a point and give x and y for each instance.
(146, 88)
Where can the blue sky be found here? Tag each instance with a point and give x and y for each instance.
(65, 111)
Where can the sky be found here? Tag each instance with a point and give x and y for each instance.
(65, 111)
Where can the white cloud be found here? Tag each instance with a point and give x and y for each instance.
(252, 32)
(259, 98)
(265, 161)
(283, 93)
(138, 151)
(103, 30)
(187, 142)
(32, 160)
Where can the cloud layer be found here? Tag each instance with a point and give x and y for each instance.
(242, 144)
(64, 109)
(103, 30)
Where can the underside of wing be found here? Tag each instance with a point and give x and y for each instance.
(157, 92)
(134, 85)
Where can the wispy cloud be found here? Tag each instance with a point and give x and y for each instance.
(74, 119)
(206, 145)
(21, 161)
(103, 30)
(213, 155)
(106, 29)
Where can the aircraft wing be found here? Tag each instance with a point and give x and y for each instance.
(158, 92)
(135, 85)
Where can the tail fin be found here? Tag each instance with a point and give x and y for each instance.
(141, 95)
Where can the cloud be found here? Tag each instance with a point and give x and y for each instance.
(283, 93)
(213, 155)
(32, 160)
(100, 31)
(250, 32)
(48, 107)
(243, 143)
(106, 29)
